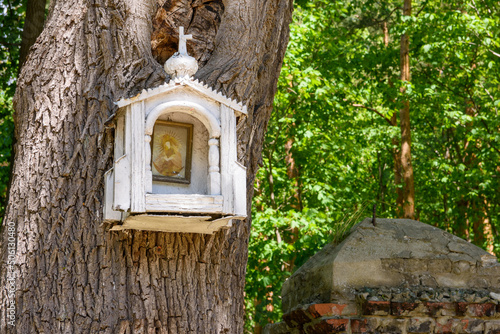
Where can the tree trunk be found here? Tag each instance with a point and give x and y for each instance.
(72, 274)
(404, 115)
(396, 152)
(293, 173)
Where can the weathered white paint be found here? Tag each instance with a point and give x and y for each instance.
(120, 135)
(228, 156)
(109, 213)
(218, 181)
(180, 84)
(240, 189)
(185, 107)
(183, 93)
(193, 203)
(181, 64)
(213, 166)
(137, 155)
(183, 41)
(148, 177)
(122, 184)
(121, 190)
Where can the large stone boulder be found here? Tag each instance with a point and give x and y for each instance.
(393, 253)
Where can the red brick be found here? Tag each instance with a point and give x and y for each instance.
(359, 326)
(377, 308)
(455, 325)
(296, 318)
(326, 326)
(441, 309)
(444, 326)
(403, 309)
(476, 310)
(322, 310)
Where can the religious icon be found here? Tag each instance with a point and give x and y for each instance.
(171, 148)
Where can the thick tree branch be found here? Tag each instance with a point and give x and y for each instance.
(33, 26)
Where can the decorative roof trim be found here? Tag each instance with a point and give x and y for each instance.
(185, 81)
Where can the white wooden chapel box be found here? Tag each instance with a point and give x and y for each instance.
(200, 187)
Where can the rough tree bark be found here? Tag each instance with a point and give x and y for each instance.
(73, 275)
(404, 116)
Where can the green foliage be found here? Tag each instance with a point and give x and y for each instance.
(11, 23)
(328, 154)
(329, 149)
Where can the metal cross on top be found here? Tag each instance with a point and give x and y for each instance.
(182, 41)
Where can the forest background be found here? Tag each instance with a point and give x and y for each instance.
(333, 143)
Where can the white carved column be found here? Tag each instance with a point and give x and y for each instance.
(149, 174)
(213, 166)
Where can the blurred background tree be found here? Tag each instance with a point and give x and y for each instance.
(334, 140)
(11, 26)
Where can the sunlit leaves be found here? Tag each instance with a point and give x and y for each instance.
(338, 91)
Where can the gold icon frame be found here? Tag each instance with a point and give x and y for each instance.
(171, 152)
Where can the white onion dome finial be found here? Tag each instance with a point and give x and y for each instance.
(181, 64)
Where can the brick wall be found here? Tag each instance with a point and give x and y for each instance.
(372, 316)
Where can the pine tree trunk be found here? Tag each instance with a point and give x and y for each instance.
(72, 274)
(404, 115)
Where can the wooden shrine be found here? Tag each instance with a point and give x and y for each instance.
(175, 156)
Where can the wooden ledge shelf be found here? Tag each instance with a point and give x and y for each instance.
(185, 224)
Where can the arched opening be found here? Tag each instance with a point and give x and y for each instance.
(184, 164)
(182, 152)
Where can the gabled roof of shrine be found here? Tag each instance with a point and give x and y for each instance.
(191, 82)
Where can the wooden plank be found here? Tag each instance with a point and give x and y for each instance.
(137, 155)
(178, 84)
(183, 203)
(183, 224)
(121, 192)
(109, 213)
(228, 156)
(240, 189)
(120, 136)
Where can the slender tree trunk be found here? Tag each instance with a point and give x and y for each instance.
(271, 179)
(293, 173)
(381, 184)
(396, 152)
(404, 115)
(72, 274)
(478, 217)
(396, 157)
